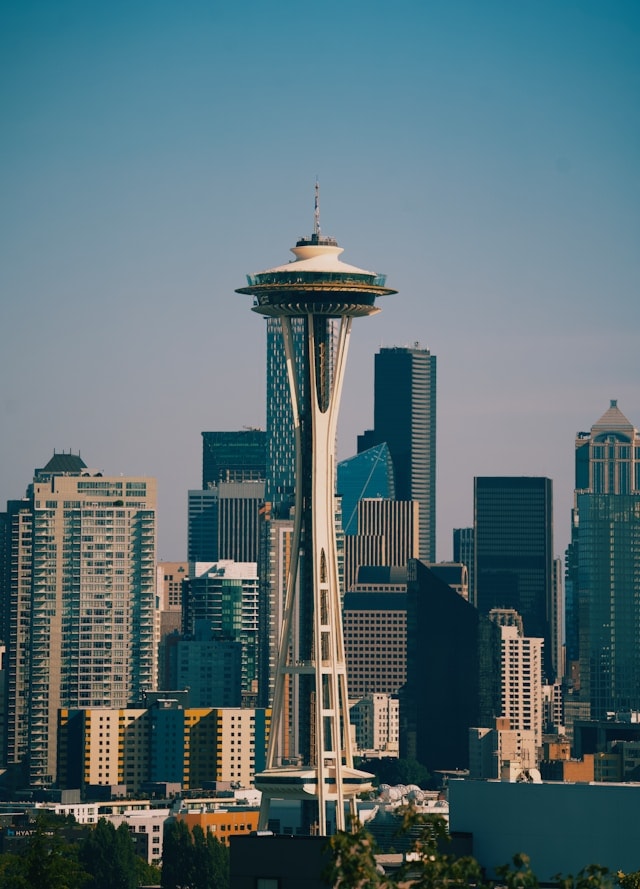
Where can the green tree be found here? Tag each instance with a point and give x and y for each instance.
(148, 874)
(630, 880)
(592, 877)
(398, 771)
(49, 862)
(108, 855)
(177, 857)
(352, 860)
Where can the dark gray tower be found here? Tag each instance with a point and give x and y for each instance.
(603, 568)
(513, 535)
(405, 418)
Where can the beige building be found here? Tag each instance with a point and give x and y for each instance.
(522, 697)
(191, 748)
(84, 546)
(376, 721)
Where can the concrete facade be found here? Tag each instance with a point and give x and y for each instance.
(561, 827)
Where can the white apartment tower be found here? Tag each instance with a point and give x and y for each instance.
(522, 698)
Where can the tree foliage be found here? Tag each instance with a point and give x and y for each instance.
(48, 862)
(108, 855)
(193, 860)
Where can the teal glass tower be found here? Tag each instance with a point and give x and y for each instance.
(321, 295)
(604, 568)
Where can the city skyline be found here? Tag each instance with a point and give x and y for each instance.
(483, 158)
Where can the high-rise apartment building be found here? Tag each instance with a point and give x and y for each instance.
(514, 565)
(222, 598)
(80, 602)
(604, 564)
(405, 418)
(522, 699)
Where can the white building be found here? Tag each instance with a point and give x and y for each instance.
(376, 719)
(522, 700)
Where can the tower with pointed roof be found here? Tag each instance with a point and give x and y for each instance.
(603, 615)
(320, 295)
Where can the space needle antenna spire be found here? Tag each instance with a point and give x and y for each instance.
(316, 211)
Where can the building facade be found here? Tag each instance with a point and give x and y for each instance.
(514, 563)
(81, 603)
(405, 418)
(194, 747)
(604, 564)
(233, 456)
(221, 602)
(366, 476)
(388, 534)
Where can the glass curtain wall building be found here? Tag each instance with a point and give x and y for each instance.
(604, 564)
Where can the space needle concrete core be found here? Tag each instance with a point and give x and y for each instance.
(311, 672)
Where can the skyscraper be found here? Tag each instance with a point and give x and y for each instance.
(280, 441)
(605, 558)
(365, 476)
(405, 418)
(80, 601)
(233, 456)
(514, 568)
(315, 289)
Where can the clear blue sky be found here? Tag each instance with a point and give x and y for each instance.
(484, 155)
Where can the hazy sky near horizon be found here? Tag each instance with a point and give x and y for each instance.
(484, 155)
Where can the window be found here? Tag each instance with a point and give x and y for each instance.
(266, 883)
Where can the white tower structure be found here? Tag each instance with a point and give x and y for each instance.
(326, 294)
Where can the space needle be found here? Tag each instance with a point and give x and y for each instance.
(326, 294)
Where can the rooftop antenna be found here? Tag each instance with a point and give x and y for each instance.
(316, 212)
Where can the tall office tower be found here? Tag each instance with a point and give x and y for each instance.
(280, 444)
(367, 476)
(224, 522)
(453, 673)
(405, 418)
(325, 294)
(463, 551)
(233, 456)
(513, 519)
(202, 525)
(606, 544)
(221, 598)
(81, 605)
(522, 701)
(388, 534)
